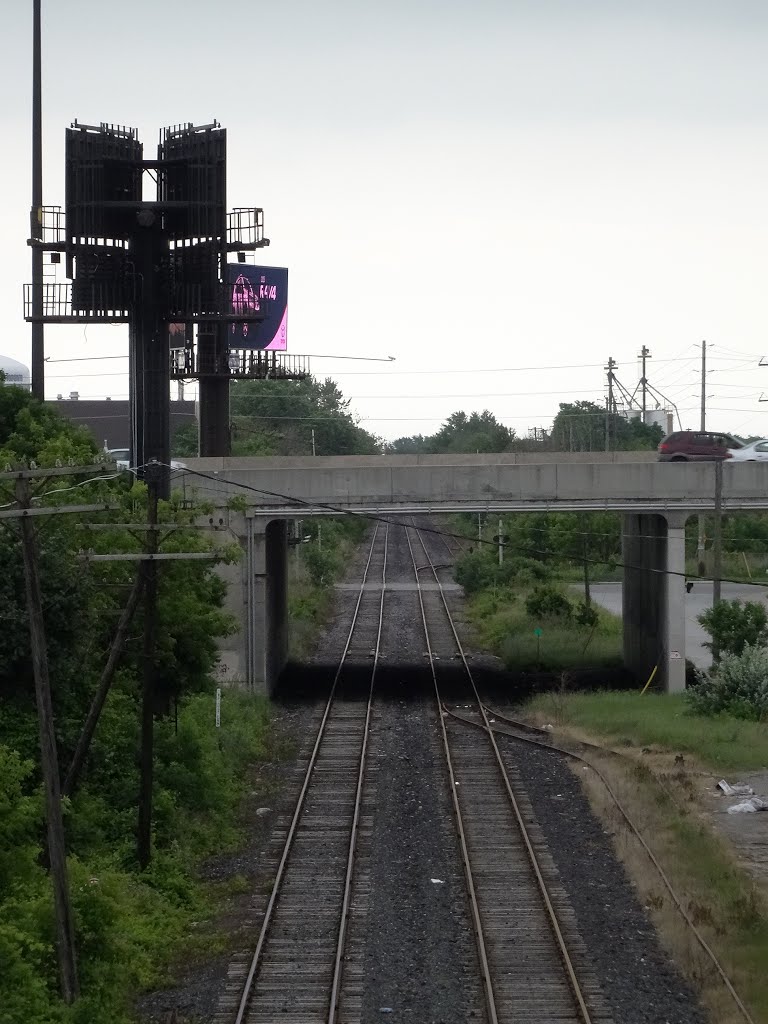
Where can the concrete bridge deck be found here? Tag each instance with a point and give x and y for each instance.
(654, 498)
(618, 481)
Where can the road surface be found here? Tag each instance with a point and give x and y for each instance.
(700, 598)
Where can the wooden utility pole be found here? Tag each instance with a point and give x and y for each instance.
(97, 704)
(585, 536)
(146, 754)
(49, 760)
(700, 544)
(147, 581)
(717, 545)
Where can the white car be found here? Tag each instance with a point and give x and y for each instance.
(755, 451)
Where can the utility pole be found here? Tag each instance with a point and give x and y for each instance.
(644, 354)
(700, 544)
(36, 213)
(49, 759)
(501, 542)
(717, 545)
(148, 578)
(313, 441)
(585, 536)
(146, 754)
(703, 386)
(97, 704)
(609, 405)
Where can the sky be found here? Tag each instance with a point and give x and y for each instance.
(500, 195)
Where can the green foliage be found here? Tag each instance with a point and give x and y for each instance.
(317, 563)
(587, 615)
(581, 427)
(504, 626)
(321, 564)
(480, 569)
(737, 685)
(723, 743)
(277, 417)
(185, 441)
(32, 431)
(476, 432)
(733, 624)
(126, 923)
(548, 602)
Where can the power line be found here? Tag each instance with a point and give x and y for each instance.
(84, 359)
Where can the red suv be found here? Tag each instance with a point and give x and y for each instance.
(696, 446)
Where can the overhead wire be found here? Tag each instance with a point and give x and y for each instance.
(378, 518)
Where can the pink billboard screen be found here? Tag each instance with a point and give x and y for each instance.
(259, 289)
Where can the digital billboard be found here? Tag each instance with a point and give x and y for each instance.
(262, 289)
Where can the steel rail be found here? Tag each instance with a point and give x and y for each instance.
(340, 946)
(280, 873)
(485, 970)
(532, 858)
(525, 727)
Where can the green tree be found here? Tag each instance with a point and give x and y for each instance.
(478, 432)
(184, 443)
(733, 625)
(278, 417)
(582, 426)
(461, 433)
(418, 444)
(32, 431)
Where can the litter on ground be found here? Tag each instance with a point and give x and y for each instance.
(748, 806)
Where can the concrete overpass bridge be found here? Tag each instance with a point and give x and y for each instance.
(655, 500)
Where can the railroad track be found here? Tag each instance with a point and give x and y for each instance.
(533, 964)
(301, 971)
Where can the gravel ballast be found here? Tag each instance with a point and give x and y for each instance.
(640, 982)
(411, 923)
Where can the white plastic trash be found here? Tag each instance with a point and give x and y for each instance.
(749, 806)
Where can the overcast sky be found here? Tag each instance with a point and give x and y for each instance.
(489, 192)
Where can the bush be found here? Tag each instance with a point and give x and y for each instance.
(732, 625)
(587, 615)
(547, 602)
(479, 570)
(321, 564)
(737, 686)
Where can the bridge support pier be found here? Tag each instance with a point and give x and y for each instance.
(266, 603)
(654, 597)
(257, 598)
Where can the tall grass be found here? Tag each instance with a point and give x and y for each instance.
(503, 625)
(720, 742)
